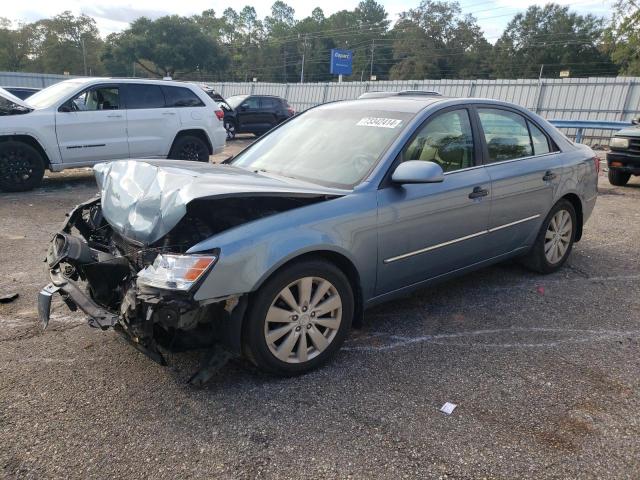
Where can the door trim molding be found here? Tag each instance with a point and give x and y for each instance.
(457, 240)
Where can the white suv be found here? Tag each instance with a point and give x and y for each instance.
(80, 122)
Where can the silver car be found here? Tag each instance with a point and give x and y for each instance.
(275, 253)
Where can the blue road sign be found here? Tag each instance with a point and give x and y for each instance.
(341, 61)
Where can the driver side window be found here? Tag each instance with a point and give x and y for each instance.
(446, 140)
(101, 98)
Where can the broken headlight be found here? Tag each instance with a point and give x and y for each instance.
(176, 272)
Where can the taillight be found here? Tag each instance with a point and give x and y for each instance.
(596, 160)
(220, 115)
(291, 111)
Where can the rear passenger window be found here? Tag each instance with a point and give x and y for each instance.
(181, 97)
(269, 103)
(539, 140)
(144, 96)
(506, 134)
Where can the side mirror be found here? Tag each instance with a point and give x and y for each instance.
(243, 107)
(64, 108)
(417, 171)
(636, 121)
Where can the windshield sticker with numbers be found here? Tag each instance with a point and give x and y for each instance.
(379, 122)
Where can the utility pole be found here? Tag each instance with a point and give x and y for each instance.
(304, 50)
(84, 56)
(284, 62)
(373, 46)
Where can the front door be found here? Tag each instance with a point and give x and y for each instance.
(93, 126)
(525, 171)
(249, 115)
(427, 230)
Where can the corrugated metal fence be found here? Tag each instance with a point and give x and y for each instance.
(596, 98)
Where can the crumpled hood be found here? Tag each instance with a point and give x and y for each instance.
(144, 199)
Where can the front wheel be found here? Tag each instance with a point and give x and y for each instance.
(230, 127)
(618, 178)
(21, 167)
(189, 147)
(555, 239)
(299, 318)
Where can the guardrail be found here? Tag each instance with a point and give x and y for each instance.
(581, 125)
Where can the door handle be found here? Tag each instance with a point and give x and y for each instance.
(168, 113)
(115, 115)
(548, 176)
(478, 192)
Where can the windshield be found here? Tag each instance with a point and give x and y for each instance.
(235, 101)
(327, 146)
(50, 95)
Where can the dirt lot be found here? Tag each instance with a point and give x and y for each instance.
(545, 371)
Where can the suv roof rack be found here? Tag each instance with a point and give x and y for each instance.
(407, 93)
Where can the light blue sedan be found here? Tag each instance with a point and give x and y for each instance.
(274, 254)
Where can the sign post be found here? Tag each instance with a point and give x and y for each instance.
(341, 62)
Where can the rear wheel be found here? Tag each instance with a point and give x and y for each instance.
(618, 178)
(190, 147)
(21, 167)
(555, 239)
(299, 318)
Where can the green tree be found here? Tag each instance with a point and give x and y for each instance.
(435, 40)
(554, 37)
(622, 37)
(169, 46)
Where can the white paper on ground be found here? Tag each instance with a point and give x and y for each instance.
(448, 408)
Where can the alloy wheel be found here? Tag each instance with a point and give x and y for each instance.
(303, 320)
(557, 238)
(191, 151)
(16, 166)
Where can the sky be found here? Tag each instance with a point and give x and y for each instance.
(115, 15)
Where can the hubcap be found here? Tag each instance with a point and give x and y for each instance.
(303, 320)
(558, 236)
(15, 166)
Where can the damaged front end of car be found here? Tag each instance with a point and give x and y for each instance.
(125, 259)
(118, 284)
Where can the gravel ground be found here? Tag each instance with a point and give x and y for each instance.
(545, 371)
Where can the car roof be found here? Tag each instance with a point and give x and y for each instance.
(149, 81)
(404, 103)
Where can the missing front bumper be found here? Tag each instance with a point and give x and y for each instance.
(73, 295)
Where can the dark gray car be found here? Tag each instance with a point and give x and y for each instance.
(274, 254)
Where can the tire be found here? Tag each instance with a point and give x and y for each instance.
(21, 167)
(230, 127)
(618, 178)
(540, 257)
(189, 147)
(302, 327)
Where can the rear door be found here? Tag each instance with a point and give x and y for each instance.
(525, 170)
(427, 230)
(269, 112)
(151, 125)
(92, 126)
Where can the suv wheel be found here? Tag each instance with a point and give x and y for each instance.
(230, 127)
(555, 239)
(190, 147)
(21, 167)
(299, 318)
(618, 178)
